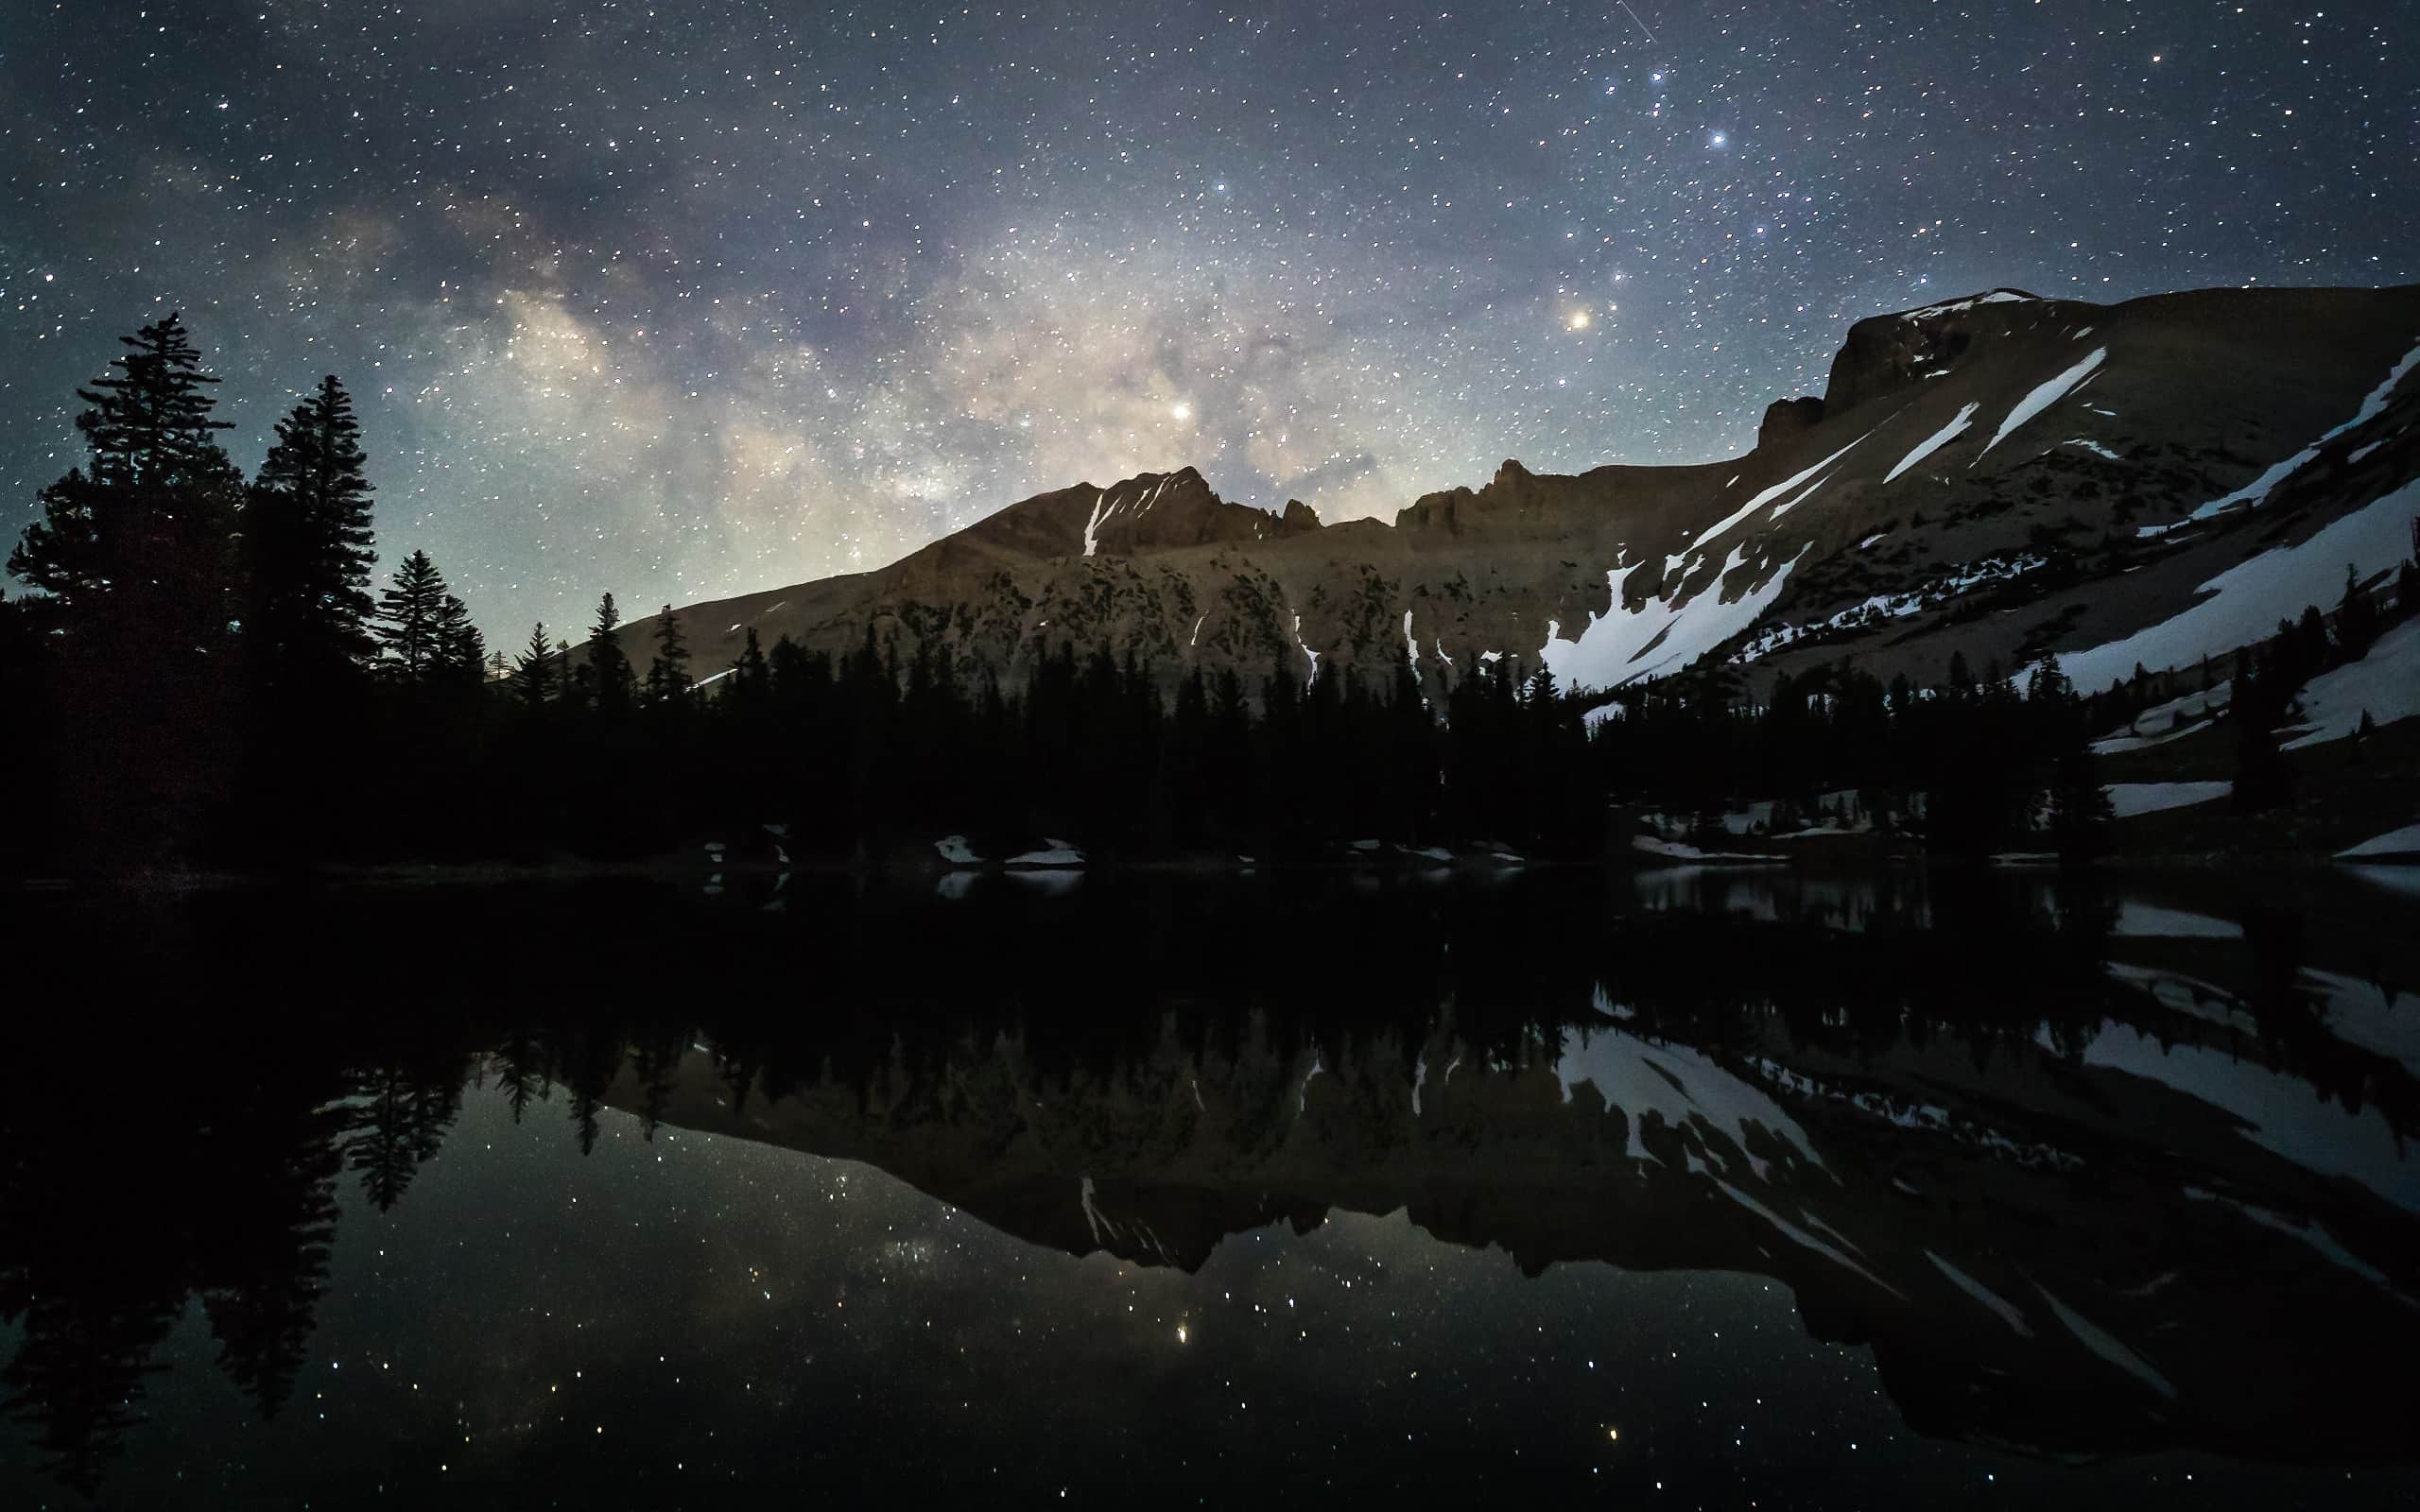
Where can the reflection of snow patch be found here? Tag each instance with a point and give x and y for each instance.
(2277, 1112)
(1800, 1236)
(1680, 1086)
(2003, 1309)
(2310, 1232)
(1093, 1218)
(2107, 1346)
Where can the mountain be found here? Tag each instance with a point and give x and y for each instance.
(1997, 475)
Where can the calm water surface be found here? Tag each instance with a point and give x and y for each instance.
(1700, 1191)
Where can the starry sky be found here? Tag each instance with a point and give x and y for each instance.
(694, 298)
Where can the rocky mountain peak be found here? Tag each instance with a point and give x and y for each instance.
(1788, 418)
(1887, 353)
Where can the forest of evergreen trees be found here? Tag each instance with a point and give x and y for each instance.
(204, 676)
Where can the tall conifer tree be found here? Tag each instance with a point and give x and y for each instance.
(306, 527)
(411, 620)
(533, 671)
(609, 666)
(667, 676)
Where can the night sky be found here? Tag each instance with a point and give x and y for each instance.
(694, 298)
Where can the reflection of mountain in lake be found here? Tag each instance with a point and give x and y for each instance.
(2135, 1221)
(2088, 1174)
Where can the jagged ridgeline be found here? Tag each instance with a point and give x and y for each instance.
(1993, 477)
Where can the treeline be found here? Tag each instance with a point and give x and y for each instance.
(205, 676)
(2000, 766)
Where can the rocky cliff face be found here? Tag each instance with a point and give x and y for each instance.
(1998, 475)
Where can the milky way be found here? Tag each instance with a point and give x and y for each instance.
(694, 298)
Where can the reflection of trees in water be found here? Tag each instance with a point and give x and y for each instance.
(401, 1113)
(99, 1258)
(271, 1267)
(99, 1262)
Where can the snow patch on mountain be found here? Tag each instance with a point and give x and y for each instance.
(2245, 602)
(1962, 579)
(2127, 800)
(1664, 634)
(2043, 397)
(2403, 842)
(1996, 297)
(1933, 444)
(2254, 493)
(1768, 495)
(2178, 718)
(2385, 684)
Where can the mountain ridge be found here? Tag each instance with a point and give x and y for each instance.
(1995, 476)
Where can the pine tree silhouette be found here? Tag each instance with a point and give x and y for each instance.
(412, 620)
(306, 523)
(462, 650)
(534, 671)
(610, 669)
(667, 676)
(137, 554)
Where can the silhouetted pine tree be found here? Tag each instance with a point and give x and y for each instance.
(2080, 811)
(2357, 618)
(151, 513)
(306, 526)
(2263, 780)
(578, 688)
(462, 650)
(667, 674)
(137, 555)
(534, 671)
(614, 687)
(412, 619)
